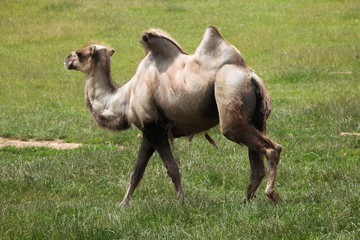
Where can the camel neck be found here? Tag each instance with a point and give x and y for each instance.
(101, 93)
(100, 76)
(109, 106)
(99, 83)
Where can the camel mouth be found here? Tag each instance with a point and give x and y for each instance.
(69, 66)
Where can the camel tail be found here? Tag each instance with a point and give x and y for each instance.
(265, 100)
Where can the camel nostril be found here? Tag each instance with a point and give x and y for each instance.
(145, 37)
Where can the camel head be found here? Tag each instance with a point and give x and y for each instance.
(84, 59)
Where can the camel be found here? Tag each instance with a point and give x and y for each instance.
(175, 94)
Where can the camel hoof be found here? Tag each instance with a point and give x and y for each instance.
(123, 204)
(274, 197)
(181, 199)
(248, 198)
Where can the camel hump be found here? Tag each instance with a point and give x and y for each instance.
(213, 31)
(160, 42)
(214, 46)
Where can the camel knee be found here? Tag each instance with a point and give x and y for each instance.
(135, 178)
(246, 134)
(278, 148)
(230, 134)
(273, 154)
(258, 175)
(226, 133)
(173, 172)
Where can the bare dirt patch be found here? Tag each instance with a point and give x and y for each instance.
(57, 143)
(349, 134)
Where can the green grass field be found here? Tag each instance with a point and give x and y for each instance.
(308, 52)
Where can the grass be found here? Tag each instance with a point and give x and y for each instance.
(308, 53)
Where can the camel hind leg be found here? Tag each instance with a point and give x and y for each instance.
(256, 158)
(258, 144)
(237, 102)
(257, 173)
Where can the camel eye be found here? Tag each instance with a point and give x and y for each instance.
(80, 55)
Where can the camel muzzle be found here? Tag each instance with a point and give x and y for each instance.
(69, 65)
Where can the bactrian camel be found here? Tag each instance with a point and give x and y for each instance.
(174, 94)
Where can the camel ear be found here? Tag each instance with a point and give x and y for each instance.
(92, 50)
(110, 51)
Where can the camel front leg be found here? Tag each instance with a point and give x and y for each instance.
(159, 140)
(145, 152)
(172, 170)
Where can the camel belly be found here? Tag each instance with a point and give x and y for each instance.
(190, 114)
(180, 129)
